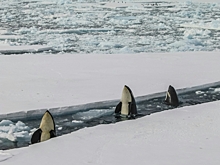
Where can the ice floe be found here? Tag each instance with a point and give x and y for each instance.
(165, 25)
(7, 49)
(13, 131)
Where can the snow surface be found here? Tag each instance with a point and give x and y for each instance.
(30, 82)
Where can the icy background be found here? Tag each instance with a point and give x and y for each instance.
(101, 26)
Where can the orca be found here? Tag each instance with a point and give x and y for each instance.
(127, 105)
(171, 97)
(46, 129)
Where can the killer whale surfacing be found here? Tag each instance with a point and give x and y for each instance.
(127, 105)
(171, 97)
(46, 129)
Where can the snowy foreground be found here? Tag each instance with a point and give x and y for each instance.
(183, 136)
(180, 136)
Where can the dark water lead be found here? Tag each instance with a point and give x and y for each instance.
(89, 117)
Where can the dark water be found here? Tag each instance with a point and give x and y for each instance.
(105, 115)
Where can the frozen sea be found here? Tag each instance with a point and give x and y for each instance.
(109, 27)
(76, 57)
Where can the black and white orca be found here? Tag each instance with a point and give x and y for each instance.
(171, 97)
(127, 105)
(46, 129)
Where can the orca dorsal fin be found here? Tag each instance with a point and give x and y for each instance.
(171, 97)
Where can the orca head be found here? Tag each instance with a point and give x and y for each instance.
(46, 129)
(171, 97)
(126, 99)
(128, 104)
(126, 96)
(47, 125)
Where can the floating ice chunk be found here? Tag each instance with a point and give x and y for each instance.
(6, 32)
(20, 126)
(13, 132)
(188, 35)
(3, 31)
(33, 130)
(115, 5)
(199, 92)
(126, 49)
(106, 44)
(192, 33)
(215, 24)
(160, 26)
(123, 21)
(31, 30)
(10, 37)
(94, 113)
(11, 137)
(24, 49)
(196, 42)
(3, 135)
(125, 18)
(5, 123)
(77, 121)
(217, 90)
(62, 2)
(22, 136)
(145, 41)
